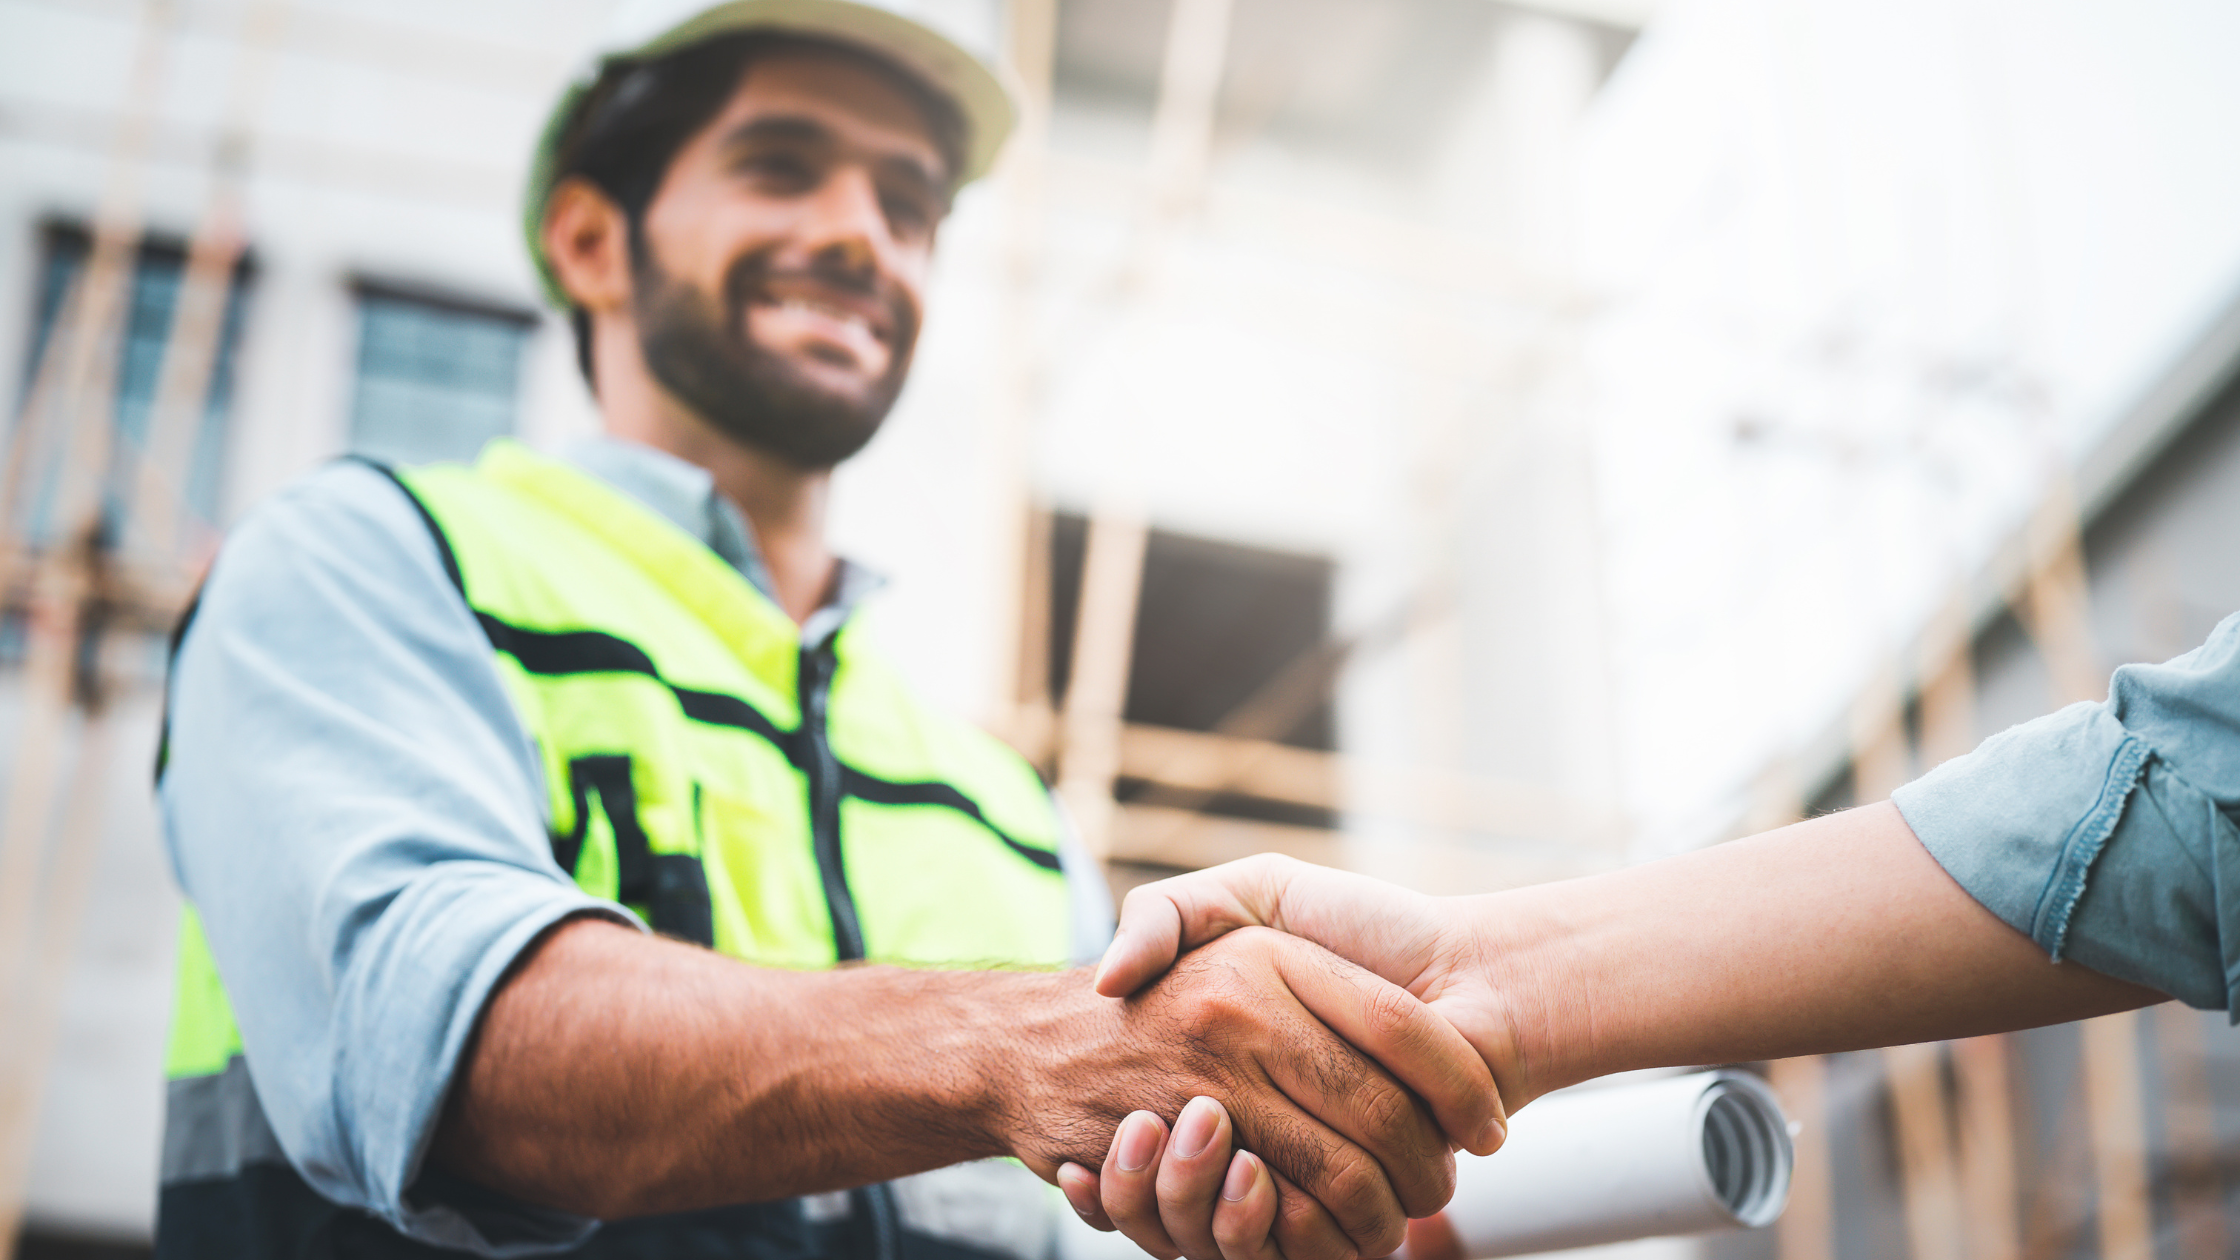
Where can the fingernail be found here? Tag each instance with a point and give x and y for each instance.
(1104, 964)
(1491, 1137)
(1139, 1140)
(1193, 1130)
(1239, 1181)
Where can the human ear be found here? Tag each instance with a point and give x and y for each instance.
(587, 241)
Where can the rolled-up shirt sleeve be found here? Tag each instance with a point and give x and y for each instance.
(356, 811)
(2106, 831)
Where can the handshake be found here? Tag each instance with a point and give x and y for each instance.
(1318, 1098)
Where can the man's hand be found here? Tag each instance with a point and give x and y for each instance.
(616, 1074)
(1352, 1119)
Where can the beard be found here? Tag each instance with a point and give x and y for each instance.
(707, 359)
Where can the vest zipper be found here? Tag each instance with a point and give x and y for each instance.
(823, 771)
(873, 1205)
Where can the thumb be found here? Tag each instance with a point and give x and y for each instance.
(1146, 943)
(1161, 919)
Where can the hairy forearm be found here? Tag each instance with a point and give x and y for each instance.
(1837, 933)
(616, 1074)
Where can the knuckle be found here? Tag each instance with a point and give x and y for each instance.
(1424, 1184)
(1390, 1014)
(1445, 1178)
(1267, 866)
(1305, 1231)
(1356, 1192)
(1222, 998)
(1137, 898)
(1253, 939)
(1387, 1113)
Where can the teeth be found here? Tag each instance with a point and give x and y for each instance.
(826, 310)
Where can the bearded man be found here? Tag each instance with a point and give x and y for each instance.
(530, 813)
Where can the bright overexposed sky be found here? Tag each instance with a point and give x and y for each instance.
(1918, 251)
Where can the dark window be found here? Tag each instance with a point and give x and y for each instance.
(1216, 624)
(158, 274)
(437, 378)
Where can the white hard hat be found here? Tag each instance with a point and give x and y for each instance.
(950, 45)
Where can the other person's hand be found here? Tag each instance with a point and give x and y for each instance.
(1344, 1085)
(1431, 946)
(1185, 1194)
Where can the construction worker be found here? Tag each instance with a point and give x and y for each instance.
(444, 743)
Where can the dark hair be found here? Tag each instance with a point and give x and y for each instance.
(638, 114)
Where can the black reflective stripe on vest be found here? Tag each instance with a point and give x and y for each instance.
(558, 653)
(170, 659)
(863, 787)
(673, 887)
(554, 653)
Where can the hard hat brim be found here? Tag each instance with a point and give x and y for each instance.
(983, 99)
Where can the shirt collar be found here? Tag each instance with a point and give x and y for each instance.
(684, 494)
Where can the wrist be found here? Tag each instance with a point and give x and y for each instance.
(926, 1065)
(1027, 1069)
(1516, 994)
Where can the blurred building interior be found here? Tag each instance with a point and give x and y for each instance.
(1473, 442)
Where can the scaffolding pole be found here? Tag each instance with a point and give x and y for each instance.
(1112, 567)
(80, 589)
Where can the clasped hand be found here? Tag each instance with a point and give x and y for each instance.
(1216, 1187)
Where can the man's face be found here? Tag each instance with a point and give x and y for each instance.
(778, 283)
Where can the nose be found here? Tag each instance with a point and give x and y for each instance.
(847, 227)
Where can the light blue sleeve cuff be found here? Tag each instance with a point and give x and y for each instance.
(415, 991)
(2073, 832)
(2162, 909)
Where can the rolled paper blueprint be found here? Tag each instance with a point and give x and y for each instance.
(1678, 1155)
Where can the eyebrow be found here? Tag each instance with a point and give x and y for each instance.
(802, 129)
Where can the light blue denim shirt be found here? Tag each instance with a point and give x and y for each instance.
(2106, 831)
(358, 815)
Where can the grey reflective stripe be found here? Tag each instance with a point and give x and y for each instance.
(991, 1204)
(213, 1126)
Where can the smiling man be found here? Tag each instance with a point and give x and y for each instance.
(445, 743)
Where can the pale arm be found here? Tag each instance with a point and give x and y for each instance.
(1834, 934)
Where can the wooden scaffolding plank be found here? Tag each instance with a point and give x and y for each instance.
(1992, 1210)
(1019, 646)
(2190, 1133)
(1930, 1181)
(1097, 691)
(1112, 566)
(2115, 1106)
(2056, 608)
(1990, 1206)
(1203, 764)
(1806, 1230)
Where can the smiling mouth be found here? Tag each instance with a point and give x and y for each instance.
(853, 320)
